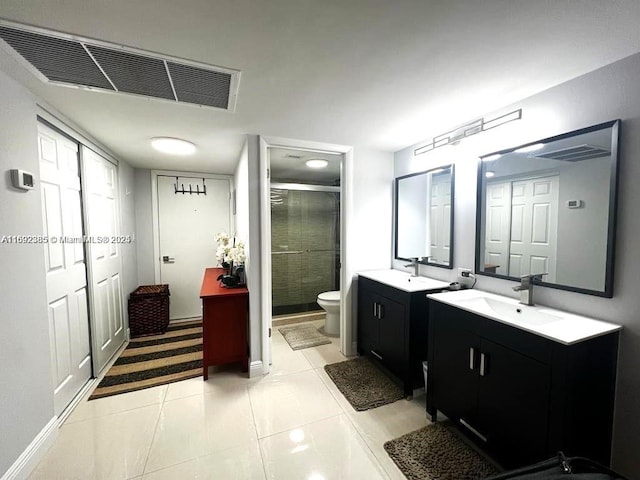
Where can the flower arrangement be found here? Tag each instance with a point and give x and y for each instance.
(229, 251)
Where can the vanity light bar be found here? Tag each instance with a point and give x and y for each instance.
(471, 128)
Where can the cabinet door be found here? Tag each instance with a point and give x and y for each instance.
(453, 367)
(368, 323)
(391, 341)
(513, 404)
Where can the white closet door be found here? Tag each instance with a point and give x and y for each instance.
(65, 264)
(104, 251)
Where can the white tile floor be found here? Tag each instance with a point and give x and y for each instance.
(290, 424)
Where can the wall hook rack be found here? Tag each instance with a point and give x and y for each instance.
(181, 189)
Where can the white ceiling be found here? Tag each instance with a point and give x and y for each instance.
(372, 73)
(289, 165)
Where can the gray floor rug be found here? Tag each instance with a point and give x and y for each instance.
(435, 452)
(303, 336)
(363, 384)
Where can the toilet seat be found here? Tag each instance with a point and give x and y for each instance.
(330, 296)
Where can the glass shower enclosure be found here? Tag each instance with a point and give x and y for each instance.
(305, 245)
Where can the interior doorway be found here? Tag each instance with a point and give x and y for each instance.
(305, 229)
(283, 166)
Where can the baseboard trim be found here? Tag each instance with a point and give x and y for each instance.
(256, 369)
(177, 321)
(82, 394)
(27, 461)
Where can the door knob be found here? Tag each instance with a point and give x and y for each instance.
(168, 259)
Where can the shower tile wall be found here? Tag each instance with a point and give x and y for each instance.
(307, 223)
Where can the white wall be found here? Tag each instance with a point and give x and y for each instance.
(241, 188)
(369, 232)
(254, 274)
(582, 237)
(247, 228)
(413, 202)
(126, 179)
(26, 398)
(605, 94)
(144, 227)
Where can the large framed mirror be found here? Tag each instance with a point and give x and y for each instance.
(424, 217)
(550, 207)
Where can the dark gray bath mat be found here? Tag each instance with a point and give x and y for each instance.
(303, 336)
(363, 384)
(435, 452)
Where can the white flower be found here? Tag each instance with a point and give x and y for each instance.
(229, 249)
(221, 253)
(222, 238)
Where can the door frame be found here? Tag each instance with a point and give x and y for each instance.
(155, 219)
(346, 174)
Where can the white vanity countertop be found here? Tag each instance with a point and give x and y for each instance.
(403, 280)
(563, 327)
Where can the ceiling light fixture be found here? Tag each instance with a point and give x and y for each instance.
(317, 163)
(530, 148)
(173, 146)
(454, 136)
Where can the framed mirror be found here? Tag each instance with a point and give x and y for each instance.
(424, 217)
(550, 207)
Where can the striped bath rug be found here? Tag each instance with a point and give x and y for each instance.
(155, 360)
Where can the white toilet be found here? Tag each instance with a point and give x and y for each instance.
(330, 302)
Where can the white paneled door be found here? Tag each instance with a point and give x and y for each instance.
(440, 219)
(496, 242)
(65, 265)
(104, 252)
(187, 226)
(534, 227)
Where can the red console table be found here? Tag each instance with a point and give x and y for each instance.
(225, 315)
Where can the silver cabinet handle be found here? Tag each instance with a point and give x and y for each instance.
(380, 311)
(472, 358)
(376, 354)
(483, 365)
(375, 309)
(476, 432)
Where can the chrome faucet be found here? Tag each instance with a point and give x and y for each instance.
(526, 287)
(415, 263)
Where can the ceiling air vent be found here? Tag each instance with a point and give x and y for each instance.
(57, 59)
(576, 153)
(72, 61)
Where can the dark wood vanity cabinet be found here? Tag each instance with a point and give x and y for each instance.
(392, 330)
(520, 396)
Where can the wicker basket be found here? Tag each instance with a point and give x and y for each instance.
(149, 310)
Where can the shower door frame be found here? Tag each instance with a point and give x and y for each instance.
(347, 346)
(303, 187)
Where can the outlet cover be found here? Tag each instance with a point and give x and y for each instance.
(464, 272)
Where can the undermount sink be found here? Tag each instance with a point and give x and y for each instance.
(516, 313)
